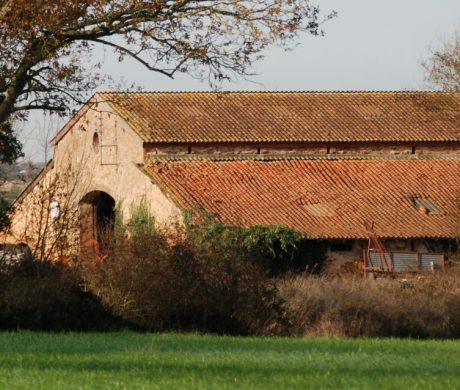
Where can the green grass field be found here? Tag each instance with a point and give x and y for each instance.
(141, 361)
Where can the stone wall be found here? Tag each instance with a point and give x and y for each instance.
(304, 148)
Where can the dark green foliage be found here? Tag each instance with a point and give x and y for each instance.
(4, 209)
(141, 224)
(276, 248)
(10, 151)
(47, 296)
(10, 147)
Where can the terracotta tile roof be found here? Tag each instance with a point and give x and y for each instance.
(323, 199)
(290, 116)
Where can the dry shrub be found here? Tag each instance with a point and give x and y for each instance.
(422, 306)
(46, 296)
(199, 278)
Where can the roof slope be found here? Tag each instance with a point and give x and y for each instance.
(290, 116)
(321, 198)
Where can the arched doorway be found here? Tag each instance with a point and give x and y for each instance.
(97, 218)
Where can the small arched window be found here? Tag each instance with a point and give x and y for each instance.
(96, 142)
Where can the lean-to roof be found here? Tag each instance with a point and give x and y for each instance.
(320, 198)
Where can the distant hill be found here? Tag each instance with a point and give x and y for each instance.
(15, 177)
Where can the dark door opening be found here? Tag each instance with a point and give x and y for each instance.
(104, 206)
(97, 219)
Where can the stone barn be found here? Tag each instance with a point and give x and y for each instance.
(322, 163)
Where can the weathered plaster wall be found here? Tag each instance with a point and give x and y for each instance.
(111, 166)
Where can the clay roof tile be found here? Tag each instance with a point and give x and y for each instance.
(290, 116)
(321, 198)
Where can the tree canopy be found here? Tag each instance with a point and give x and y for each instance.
(443, 67)
(46, 45)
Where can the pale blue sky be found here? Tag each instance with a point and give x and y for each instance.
(371, 45)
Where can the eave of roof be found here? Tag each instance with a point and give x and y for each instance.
(48, 166)
(72, 121)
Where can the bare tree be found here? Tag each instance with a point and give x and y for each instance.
(48, 220)
(442, 69)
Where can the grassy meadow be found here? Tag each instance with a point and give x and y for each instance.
(31, 360)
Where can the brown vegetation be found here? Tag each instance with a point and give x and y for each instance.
(199, 278)
(207, 276)
(49, 216)
(442, 69)
(213, 277)
(46, 296)
(422, 306)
